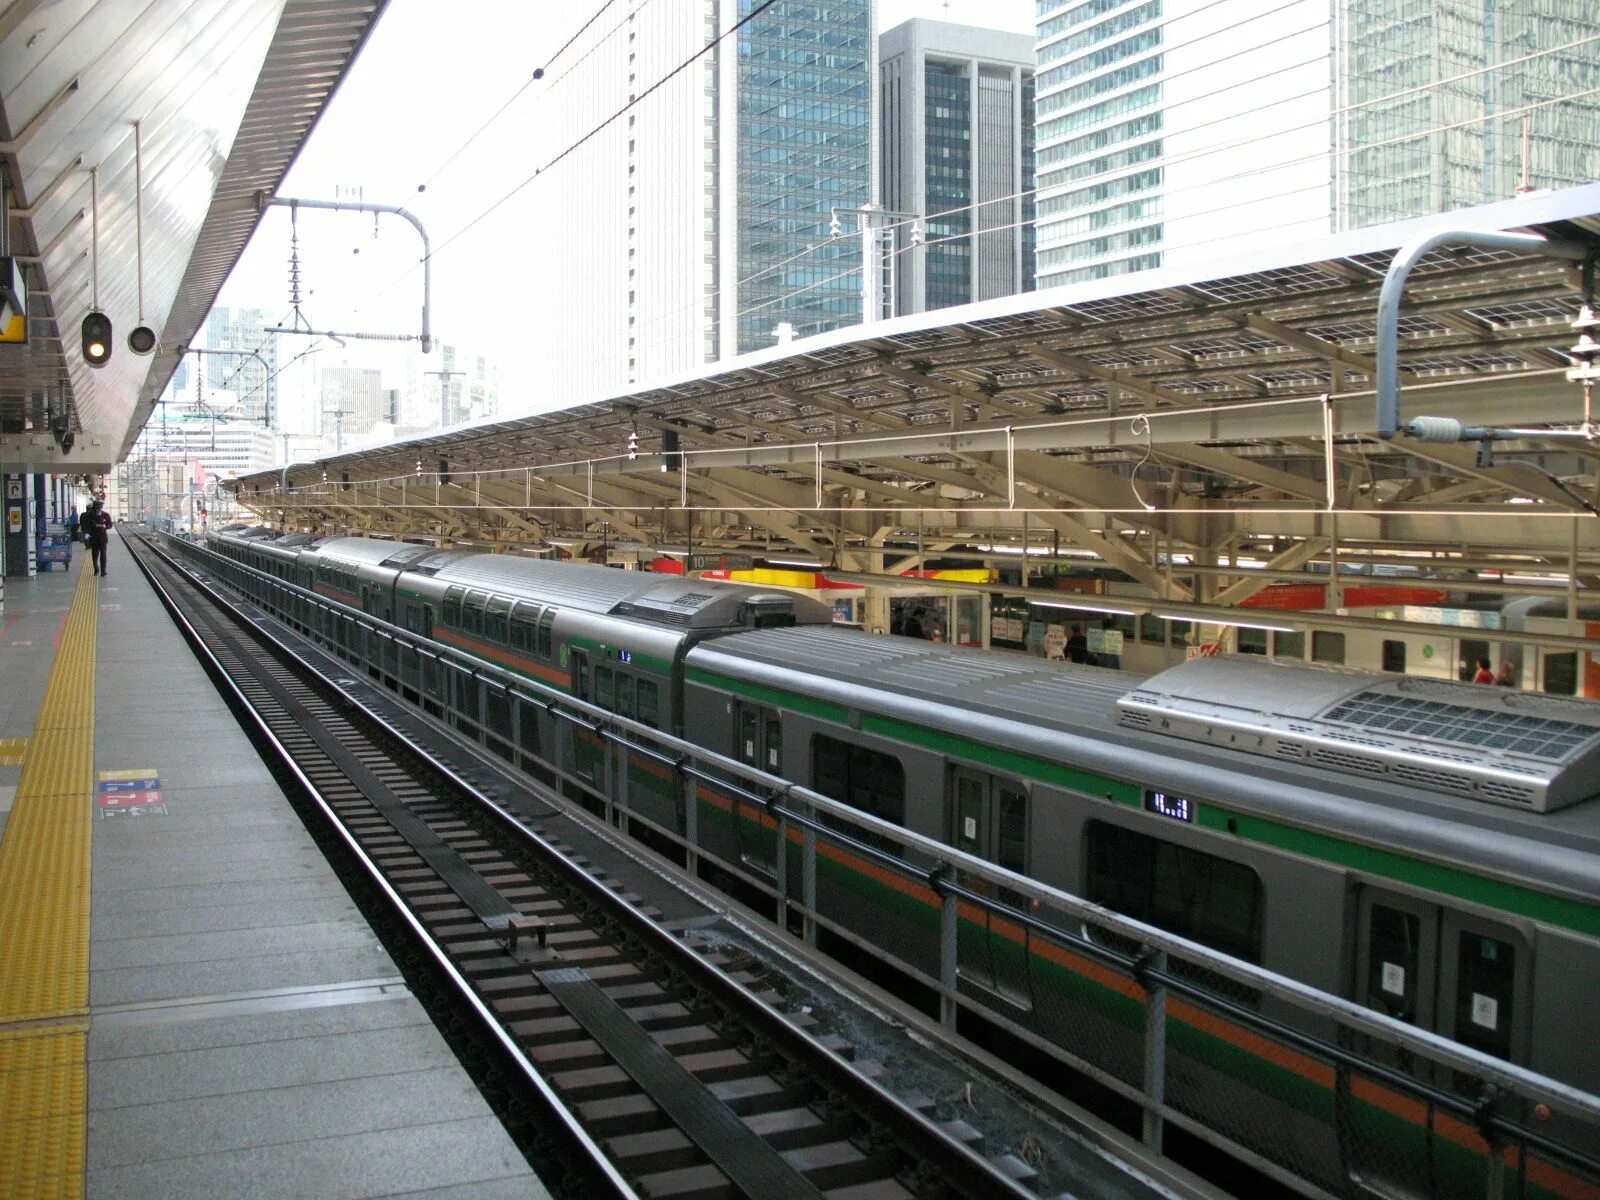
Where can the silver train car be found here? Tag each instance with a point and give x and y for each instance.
(1427, 848)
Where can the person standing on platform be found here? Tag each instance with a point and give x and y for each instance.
(98, 522)
(1077, 648)
(1507, 676)
(1484, 675)
(74, 536)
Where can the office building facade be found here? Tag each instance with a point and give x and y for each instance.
(956, 120)
(1173, 132)
(692, 226)
(240, 357)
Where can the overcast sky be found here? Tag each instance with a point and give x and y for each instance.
(418, 91)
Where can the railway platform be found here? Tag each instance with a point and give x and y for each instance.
(190, 1004)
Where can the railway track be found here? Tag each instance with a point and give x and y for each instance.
(646, 1061)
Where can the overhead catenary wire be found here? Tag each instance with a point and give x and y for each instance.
(1166, 109)
(537, 74)
(608, 121)
(1158, 162)
(703, 299)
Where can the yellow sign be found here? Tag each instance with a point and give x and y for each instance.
(13, 304)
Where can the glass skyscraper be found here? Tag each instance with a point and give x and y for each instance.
(1450, 104)
(1177, 131)
(242, 360)
(804, 147)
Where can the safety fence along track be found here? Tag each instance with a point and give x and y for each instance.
(641, 1063)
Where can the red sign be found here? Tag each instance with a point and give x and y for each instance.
(128, 799)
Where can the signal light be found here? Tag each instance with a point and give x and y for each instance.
(141, 339)
(96, 339)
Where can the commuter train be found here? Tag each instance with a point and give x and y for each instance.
(1427, 848)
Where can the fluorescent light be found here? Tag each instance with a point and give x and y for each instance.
(1099, 608)
(791, 562)
(1201, 619)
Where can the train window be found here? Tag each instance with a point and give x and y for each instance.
(1327, 646)
(525, 627)
(1011, 843)
(1394, 962)
(624, 694)
(546, 622)
(1561, 673)
(1468, 652)
(1188, 892)
(865, 779)
(749, 753)
(1289, 645)
(1486, 973)
(774, 746)
(452, 606)
(495, 619)
(604, 687)
(649, 704)
(472, 612)
(1252, 641)
(1394, 655)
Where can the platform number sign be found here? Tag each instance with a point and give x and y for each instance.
(130, 794)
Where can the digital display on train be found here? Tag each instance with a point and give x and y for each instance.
(1165, 804)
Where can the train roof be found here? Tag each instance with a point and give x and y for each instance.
(1069, 713)
(641, 595)
(362, 552)
(1497, 744)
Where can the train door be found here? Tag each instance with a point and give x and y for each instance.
(758, 735)
(760, 738)
(584, 746)
(1449, 972)
(989, 819)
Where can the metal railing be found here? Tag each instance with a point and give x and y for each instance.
(1319, 1092)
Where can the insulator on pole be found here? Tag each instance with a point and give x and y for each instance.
(1435, 429)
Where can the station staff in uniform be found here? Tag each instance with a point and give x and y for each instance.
(97, 523)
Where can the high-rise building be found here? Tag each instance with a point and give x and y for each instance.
(1446, 105)
(241, 357)
(956, 115)
(1173, 131)
(687, 230)
(452, 385)
(352, 403)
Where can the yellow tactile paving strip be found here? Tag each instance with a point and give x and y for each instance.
(44, 929)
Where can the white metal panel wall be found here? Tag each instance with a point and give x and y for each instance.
(581, 204)
(1248, 126)
(672, 227)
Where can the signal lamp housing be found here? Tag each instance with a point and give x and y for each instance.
(141, 339)
(96, 339)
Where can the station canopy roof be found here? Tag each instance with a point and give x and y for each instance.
(1195, 413)
(224, 94)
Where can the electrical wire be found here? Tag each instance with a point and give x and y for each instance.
(631, 104)
(701, 301)
(538, 74)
